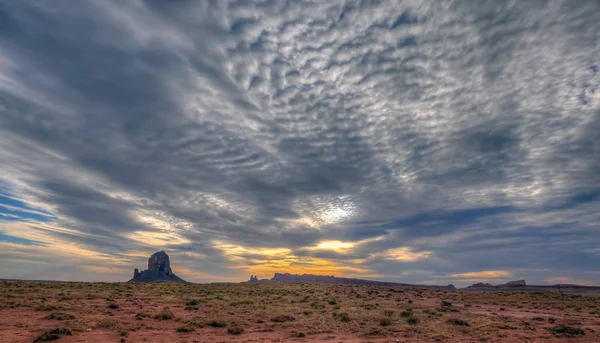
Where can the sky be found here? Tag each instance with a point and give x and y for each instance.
(429, 142)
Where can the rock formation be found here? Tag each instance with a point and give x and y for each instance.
(159, 270)
(518, 283)
(481, 285)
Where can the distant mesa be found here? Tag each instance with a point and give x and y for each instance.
(518, 283)
(311, 278)
(159, 270)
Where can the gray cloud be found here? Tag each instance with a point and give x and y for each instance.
(282, 124)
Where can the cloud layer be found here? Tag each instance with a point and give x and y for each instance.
(414, 141)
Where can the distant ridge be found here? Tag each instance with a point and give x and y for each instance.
(521, 285)
(311, 278)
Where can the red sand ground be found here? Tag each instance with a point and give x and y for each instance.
(332, 313)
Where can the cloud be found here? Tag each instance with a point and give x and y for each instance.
(422, 139)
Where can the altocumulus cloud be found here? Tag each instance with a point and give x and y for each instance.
(416, 141)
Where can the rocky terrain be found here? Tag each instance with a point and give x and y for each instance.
(159, 270)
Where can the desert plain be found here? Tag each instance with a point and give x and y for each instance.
(132, 312)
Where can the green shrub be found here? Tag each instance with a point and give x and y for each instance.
(235, 330)
(217, 324)
(242, 302)
(446, 303)
(458, 322)
(344, 317)
(283, 318)
(186, 328)
(165, 314)
(406, 314)
(192, 302)
(59, 316)
(53, 334)
(385, 321)
(412, 320)
(568, 331)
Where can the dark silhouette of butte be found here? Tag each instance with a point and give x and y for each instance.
(159, 270)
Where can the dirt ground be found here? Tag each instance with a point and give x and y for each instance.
(120, 312)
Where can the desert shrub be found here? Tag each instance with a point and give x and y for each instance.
(541, 319)
(113, 306)
(410, 301)
(191, 302)
(140, 316)
(344, 317)
(217, 323)
(307, 313)
(332, 302)
(235, 330)
(412, 320)
(446, 303)
(385, 321)
(298, 334)
(406, 314)
(51, 335)
(569, 331)
(551, 320)
(186, 328)
(283, 318)
(123, 333)
(431, 312)
(191, 308)
(388, 313)
(59, 316)
(165, 314)
(458, 322)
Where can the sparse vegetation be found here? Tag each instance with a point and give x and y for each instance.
(412, 320)
(568, 331)
(185, 328)
(165, 314)
(191, 302)
(406, 314)
(59, 316)
(344, 317)
(283, 318)
(217, 323)
(385, 321)
(458, 322)
(273, 309)
(235, 330)
(53, 334)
